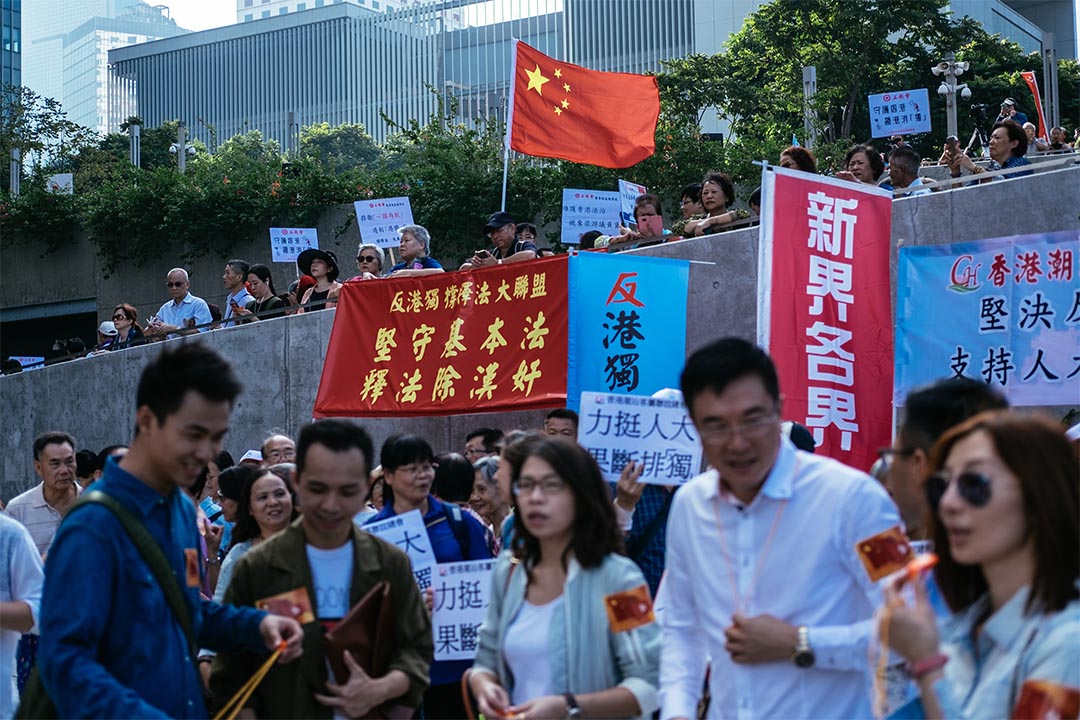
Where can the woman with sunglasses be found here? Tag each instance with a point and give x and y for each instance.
(126, 319)
(570, 630)
(1004, 493)
(369, 261)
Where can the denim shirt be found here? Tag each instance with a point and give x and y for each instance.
(110, 645)
(584, 654)
(984, 674)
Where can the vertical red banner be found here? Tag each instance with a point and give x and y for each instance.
(460, 342)
(825, 311)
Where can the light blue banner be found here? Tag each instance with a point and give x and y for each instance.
(1005, 311)
(627, 324)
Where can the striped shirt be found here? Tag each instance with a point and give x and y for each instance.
(39, 517)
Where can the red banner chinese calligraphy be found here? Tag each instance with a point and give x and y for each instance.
(461, 342)
(825, 311)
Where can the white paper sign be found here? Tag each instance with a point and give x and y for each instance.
(616, 429)
(585, 210)
(28, 362)
(462, 594)
(379, 220)
(628, 194)
(408, 533)
(286, 244)
(900, 113)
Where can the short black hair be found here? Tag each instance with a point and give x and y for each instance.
(403, 449)
(755, 197)
(86, 462)
(724, 183)
(588, 239)
(336, 436)
(240, 267)
(522, 227)
(223, 460)
(190, 366)
(692, 191)
(491, 437)
(54, 437)
(1016, 132)
(877, 165)
(246, 528)
(724, 361)
(106, 453)
(648, 199)
(932, 409)
(562, 414)
(454, 477)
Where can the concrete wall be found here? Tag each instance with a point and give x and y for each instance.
(280, 361)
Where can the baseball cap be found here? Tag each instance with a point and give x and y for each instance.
(252, 456)
(1008, 101)
(108, 329)
(498, 220)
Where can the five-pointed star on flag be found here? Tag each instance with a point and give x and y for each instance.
(558, 73)
(536, 81)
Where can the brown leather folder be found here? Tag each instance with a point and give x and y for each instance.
(367, 631)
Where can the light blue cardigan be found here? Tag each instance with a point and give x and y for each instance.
(585, 655)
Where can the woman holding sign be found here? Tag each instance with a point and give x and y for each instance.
(1004, 495)
(570, 630)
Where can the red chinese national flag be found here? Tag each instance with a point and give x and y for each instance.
(564, 111)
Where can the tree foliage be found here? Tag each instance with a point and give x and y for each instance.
(339, 148)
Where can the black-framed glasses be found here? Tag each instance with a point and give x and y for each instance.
(887, 453)
(974, 487)
(174, 284)
(367, 258)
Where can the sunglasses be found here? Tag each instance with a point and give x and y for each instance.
(119, 317)
(973, 487)
(367, 258)
(174, 284)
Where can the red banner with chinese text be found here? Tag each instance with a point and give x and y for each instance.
(825, 309)
(459, 342)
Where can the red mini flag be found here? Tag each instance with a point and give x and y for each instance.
(884, 553)
(565, 111)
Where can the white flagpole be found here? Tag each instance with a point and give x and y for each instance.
(509, 122)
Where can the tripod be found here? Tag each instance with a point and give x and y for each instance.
(979, 133)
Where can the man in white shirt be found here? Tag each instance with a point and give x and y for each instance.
(184, 310)
(21, 578)
(41, 508)
(233, 279)
(763, 580)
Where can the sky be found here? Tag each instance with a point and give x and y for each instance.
(201, 14)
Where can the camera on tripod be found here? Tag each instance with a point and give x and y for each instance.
(979, 113)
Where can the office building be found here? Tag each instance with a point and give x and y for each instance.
(11, 42)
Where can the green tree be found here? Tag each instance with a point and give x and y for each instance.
(339, 147)
(39, 128)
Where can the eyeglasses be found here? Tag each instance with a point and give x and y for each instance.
(548, 486)
(471, 452)
(174, 284)
(119, 317)
(886, 453)
(287, 455)
(366, 258)
(752, 430)
(974, 487)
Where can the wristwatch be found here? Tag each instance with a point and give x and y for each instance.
(573, 710)
(803, 657)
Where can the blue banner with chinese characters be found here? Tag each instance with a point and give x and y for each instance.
(1005, 311)
(627, 324)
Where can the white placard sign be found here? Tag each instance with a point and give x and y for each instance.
(628, 194)
(906, 112)
(286, 244)
(28, 362)
(462, 594)
(408, 533)
(616, 429)
(379, 220)
(585, 210)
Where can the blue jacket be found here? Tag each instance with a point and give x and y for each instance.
(584, 654)
(110, 645)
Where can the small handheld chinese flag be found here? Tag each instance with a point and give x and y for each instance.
(565, 111)
(884, 553)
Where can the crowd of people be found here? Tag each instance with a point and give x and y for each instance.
(749, 591)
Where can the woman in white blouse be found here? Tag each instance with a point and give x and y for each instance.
(570, 630)
(1005, 492)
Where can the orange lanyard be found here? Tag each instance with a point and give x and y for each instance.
(738, 599)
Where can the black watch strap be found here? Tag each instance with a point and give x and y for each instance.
(573, 710)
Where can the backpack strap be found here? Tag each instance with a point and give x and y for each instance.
(151, 554)
(456, 518)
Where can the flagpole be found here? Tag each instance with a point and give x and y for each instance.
(509, 122)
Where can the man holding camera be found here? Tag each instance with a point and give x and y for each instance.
(507, 248)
